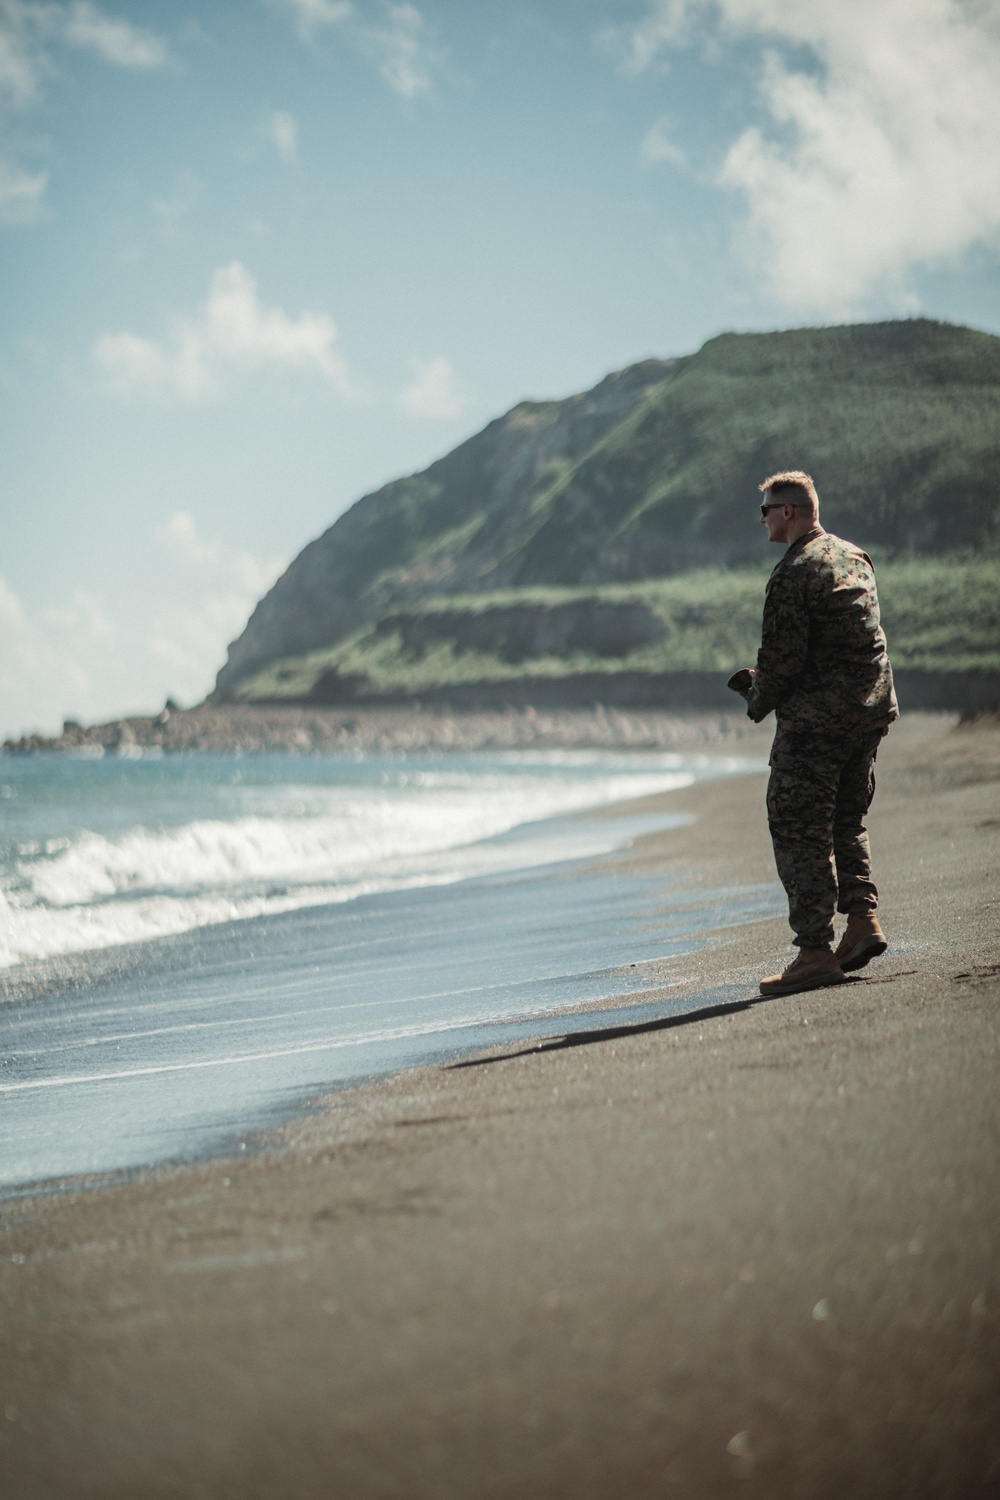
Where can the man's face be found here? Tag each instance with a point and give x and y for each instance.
(777, 518)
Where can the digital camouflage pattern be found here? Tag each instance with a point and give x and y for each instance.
(824, 670)
(822, 664)
(816, 806)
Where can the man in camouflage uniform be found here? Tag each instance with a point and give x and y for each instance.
(823, 668)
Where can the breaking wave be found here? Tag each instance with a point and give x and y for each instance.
(284, 844)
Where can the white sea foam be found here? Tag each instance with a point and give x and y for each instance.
(317, 844)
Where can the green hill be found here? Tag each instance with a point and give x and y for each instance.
(898, 423)
(940, 616)
(649, 476)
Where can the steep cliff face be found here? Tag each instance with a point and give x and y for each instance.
(450, 529)
(653, 473)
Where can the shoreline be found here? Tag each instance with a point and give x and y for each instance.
(755, 1246)
(677, 711)
(337, 991)
(247, 730)
(38, 973)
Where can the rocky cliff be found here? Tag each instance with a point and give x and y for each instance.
(653, 473)
(448, 529)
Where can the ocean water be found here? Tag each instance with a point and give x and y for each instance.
(298, 924)
(96, 852)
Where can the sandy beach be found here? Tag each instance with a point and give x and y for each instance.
(752, 1249)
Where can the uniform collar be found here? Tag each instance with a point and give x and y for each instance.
(809, 536)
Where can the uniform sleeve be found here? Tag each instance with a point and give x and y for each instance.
(784, 644)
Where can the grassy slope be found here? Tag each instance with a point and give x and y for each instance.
(457, 527)
(899, 424)
(939, 614)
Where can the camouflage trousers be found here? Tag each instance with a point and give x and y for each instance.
(817, 798)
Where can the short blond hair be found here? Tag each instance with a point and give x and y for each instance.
(794, 487)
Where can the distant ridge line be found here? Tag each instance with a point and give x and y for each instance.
(653, 474)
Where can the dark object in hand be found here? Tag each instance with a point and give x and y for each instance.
(741, 682)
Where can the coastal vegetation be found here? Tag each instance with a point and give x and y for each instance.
(940, 615)
(616, 530)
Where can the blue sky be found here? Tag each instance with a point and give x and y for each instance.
(259, 256)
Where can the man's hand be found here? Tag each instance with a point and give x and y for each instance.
(742, 681)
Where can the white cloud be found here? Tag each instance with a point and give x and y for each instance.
(22, 60)
(254, 578)
(32, 32)
(84, 614)
(191, 641)
(667, 25)
(281, 129)
(310, 15)
(76, 658)
(231, 333)
(20, 193)
(251, 577)
(181, 534)
(405, 56)
(11, 609)
(397, 38)
(658, 145)
(115, 41)
(435, 393)
(881, 158)
(52, 661)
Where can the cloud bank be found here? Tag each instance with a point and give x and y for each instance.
(232, 333)
(189, 642)
(73, 659)
(878, 157)
(53, 660)
(32, 32)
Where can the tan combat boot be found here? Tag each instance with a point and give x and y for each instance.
(813, 968)
(863, 941)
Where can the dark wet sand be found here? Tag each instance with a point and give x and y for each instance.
(754, 1253)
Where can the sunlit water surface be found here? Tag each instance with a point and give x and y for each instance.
(300, 923)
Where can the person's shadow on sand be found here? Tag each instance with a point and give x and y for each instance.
(662, 1023)
(612, 1033)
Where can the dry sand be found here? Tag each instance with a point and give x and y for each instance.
(752, 1253)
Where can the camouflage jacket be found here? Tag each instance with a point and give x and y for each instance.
(822, 664)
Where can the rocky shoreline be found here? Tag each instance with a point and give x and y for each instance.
(246, 729)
